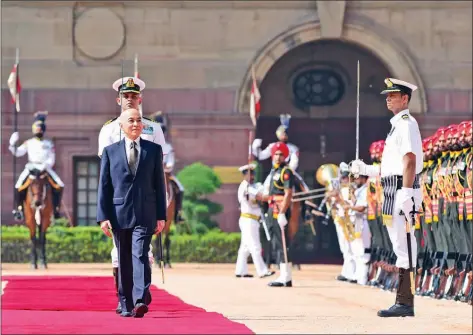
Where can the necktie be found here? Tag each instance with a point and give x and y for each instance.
(133, 157)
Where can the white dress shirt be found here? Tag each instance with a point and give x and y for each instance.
(250, 205)
(403, 138)
(128, 149)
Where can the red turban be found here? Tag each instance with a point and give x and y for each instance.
(280, 146)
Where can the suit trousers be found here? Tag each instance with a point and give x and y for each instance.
(134, 271)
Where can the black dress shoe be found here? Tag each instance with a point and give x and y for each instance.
(342, 278)
(268, 274)
(279, 284)
(244, 276)
(118, 310)
(396, 311)
(353, 281)
(140, 310)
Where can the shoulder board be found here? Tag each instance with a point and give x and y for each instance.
(146, 118)
(405, 117)
(110, 121)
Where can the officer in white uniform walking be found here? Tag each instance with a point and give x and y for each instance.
(401, 164)
(42, 157)
(129, 96)
(249, 226)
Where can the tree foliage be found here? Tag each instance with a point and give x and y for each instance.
(199, 181)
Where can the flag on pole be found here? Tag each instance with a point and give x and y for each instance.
(255, 98)
(15, 86)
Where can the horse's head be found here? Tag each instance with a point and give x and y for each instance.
(38, 187)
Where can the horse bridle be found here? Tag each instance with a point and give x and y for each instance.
(33, 194)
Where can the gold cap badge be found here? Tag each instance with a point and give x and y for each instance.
(130, 83)
(388, 83)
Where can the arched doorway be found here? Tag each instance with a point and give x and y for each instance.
(316, 83)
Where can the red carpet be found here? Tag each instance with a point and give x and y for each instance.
(86, 305)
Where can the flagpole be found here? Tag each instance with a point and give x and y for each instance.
(137, 76)
(15, 112)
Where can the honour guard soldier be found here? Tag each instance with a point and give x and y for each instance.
(249, 225)
(401, 164)
(41, 156)
(279, 199)
(169, 162)
(337, 199)
(293, 158)
(129, 96)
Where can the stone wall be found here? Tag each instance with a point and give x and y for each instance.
(193, 56)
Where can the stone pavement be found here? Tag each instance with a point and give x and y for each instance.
(316, 304)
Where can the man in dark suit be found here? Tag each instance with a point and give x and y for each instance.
(132, 204)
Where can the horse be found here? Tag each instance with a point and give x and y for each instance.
(170, 211)
(38, 210)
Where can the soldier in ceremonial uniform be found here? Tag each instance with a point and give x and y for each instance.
(279, 199)
(169, 162)
(337, 200)
(129, 96)
(249, 226)
(293, 158)
(401, 164)
(41, 156)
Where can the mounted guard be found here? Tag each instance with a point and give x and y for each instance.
(41, 157)
(169, 162)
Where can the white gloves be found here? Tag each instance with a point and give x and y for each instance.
(14, 138)
(282, 221)
(256, 144)
(358, 167)
(404, 202)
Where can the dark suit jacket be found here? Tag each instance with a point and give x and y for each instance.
(129, 201)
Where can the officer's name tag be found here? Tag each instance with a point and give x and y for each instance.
(147, 130)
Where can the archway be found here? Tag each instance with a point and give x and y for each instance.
(324, 127)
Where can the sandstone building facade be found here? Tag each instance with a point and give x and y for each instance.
(196, 58)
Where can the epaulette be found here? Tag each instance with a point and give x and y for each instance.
(147, 118)
(405, 117)
(110, 121)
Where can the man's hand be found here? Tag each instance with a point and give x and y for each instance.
(282, 220)
(159, 226)
(106, 226)
(256, 145)
(14, 138)
(404, 202)
(358, 167)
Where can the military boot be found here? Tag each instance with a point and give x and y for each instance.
(404, 305)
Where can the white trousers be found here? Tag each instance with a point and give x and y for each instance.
(361, 258)
(114, 254)
(250, 245)
(26, 172)
(349, 264)
(398, 236)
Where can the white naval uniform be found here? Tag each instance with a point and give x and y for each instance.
(359, 244)
(41, 156)
(349, 264)
(404, 138)
(250, 238)
(169, 161)
(112, 133)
